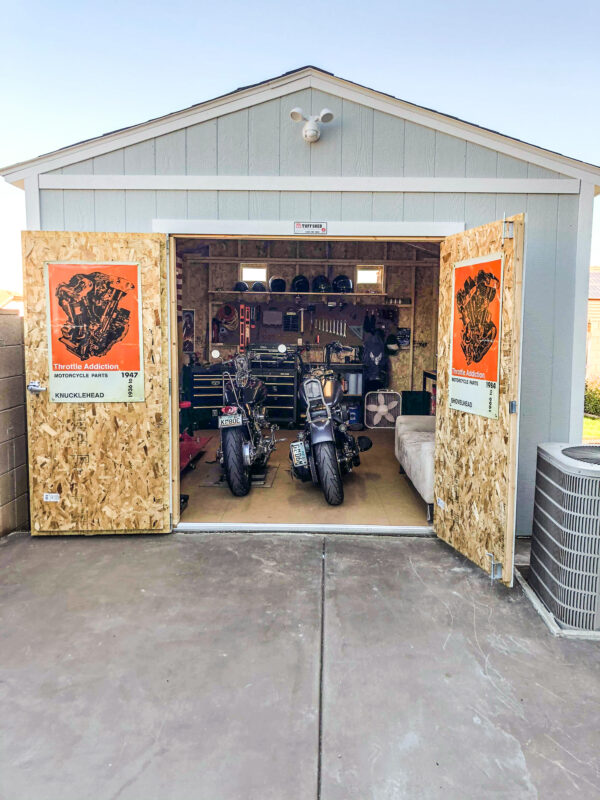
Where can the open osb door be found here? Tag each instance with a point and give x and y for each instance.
(96, 342)
(479, 339)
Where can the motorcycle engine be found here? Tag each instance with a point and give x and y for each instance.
(95, 322)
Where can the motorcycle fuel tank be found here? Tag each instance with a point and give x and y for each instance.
(331, 387)
(253, 393)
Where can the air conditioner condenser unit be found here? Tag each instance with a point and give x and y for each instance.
(565, 544)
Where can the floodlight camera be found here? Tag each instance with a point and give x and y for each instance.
(311, 130)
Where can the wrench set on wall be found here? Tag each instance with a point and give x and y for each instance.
(337, 327)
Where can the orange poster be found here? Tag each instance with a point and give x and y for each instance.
(476, 316)
(94, 332)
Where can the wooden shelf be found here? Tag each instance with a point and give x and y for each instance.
(372, 295)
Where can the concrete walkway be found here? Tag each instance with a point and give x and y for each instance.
(234, 667)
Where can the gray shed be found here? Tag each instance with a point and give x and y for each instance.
(238, 168)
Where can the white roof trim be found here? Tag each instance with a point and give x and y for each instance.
(309, 183)
(262, 227)
(287, 84)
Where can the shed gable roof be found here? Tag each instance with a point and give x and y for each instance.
(304, 77)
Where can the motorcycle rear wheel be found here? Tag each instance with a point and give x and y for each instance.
(236, 472)
(328, 472)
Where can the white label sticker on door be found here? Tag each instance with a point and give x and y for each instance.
(51, 497)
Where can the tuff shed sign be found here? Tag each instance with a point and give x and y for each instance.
(94, 333)
(310, 228)
(476, 320)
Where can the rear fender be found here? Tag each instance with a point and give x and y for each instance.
(321, 431)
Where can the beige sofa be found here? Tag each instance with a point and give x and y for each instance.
(414, 446)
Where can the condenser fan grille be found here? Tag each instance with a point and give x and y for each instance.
(589, 453)
(381, 409)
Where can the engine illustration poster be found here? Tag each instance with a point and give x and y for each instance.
(94, 333)
(475, 346)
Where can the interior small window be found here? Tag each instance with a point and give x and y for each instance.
(367, 275)
(370, 277)
(253, 272)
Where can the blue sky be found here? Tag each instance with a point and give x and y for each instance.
(70, 71)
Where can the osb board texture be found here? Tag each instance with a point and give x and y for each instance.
(399, 284)
(426, 308)
(195, 296)
(474, 473)
(108, 461)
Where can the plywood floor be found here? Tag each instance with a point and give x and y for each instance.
(374, 494)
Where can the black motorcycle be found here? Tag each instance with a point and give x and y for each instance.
(244, 447)
(324, 451)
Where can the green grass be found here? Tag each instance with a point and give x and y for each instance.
(591, 428)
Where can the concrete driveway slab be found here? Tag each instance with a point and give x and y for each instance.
(438, 684)
(163, 668)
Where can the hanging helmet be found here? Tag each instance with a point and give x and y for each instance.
(321, 284)
(392, 347)
(300, 284)
(241, 286)
(342, 284)
(277, 284)
(258, 286)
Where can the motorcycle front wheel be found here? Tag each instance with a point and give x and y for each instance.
(236, 472)
(328, 472)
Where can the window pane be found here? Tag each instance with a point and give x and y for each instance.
(367, 275)
(254, 274)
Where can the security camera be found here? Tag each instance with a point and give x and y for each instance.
(311, 130)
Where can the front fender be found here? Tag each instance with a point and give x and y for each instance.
(321, 431)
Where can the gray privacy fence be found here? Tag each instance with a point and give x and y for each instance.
(14, 500)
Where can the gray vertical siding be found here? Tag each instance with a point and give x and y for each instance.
(359, 142)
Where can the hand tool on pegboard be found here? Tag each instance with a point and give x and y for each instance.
(242, 327)
(247, 343)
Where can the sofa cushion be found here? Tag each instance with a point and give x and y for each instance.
(415, 451)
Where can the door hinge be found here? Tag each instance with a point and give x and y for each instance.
(495, 568)
(512, 407)
(508, 230)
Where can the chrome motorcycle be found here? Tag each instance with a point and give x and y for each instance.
(324, 451)
(245, 447)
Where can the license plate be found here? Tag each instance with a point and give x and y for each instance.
(230, 420)
(298, 451)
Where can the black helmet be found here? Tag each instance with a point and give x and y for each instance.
(276, 285)
(258, 286)
(392, 348)
(342, 284)
(321, 284)
(300, 284)
(241, 286)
